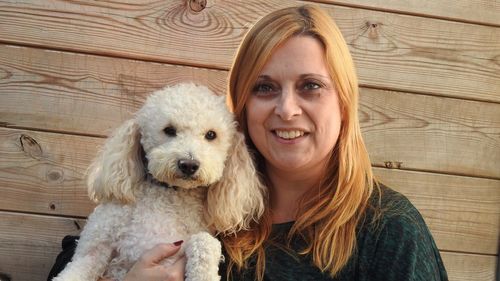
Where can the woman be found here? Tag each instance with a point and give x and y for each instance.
(294, 91)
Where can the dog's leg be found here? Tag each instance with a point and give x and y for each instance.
(94, 247)
(203, 253)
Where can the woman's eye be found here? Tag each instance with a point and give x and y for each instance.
(262, 88)
(311, 86)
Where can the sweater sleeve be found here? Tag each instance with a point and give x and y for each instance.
(404, 249)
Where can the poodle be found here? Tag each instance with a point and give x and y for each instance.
(179, 170)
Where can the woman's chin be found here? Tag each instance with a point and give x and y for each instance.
(289, 163)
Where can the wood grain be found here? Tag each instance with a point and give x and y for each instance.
(392, 51)
(467, 267)
(44, 172)
(431, 133)
(439, 112)
(82, 94)
(85, 94)
(463, 213)
(475, 11)
(30, 243)
(423, 55)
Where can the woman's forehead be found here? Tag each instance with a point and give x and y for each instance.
(301, 54)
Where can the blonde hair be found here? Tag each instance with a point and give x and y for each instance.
(329, 214)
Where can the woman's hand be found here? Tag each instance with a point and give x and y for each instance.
(148, 267)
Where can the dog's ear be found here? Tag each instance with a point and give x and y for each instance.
(238, 198)
(118, 167)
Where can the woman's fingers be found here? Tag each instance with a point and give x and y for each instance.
(176, 270)
(149, 266)
(159, 252)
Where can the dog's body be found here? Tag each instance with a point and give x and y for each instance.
(160, 215)
(178, 171)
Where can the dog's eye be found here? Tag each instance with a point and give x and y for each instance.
(170, 131)
(210, 135)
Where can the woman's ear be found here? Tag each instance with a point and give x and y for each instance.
(118, 167)
(238, 198)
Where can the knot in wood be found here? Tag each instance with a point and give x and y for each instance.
(373, 29)
(393, 165)
(197, 5)
(371, 24)
(77, 225)
(55, 175)
(30, 146)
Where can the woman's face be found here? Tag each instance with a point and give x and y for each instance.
(293, 113)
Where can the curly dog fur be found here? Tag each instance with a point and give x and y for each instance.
(179, 170)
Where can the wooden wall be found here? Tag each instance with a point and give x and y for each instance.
(70, 71)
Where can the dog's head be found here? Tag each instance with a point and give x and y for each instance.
(183, 136)
(186, 133)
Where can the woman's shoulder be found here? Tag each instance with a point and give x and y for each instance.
(394, 240)
(391, 216)
(387, 206)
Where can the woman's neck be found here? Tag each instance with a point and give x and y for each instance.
(287, 188)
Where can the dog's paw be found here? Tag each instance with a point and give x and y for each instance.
(203, 253)
(203, 242)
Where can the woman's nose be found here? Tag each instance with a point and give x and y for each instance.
(288, 105)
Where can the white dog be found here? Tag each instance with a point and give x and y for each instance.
(178, 171)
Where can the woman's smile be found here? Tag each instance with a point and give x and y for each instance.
(289, 136)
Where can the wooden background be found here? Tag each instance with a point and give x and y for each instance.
(70, 71)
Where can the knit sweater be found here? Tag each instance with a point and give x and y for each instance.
(397, 247)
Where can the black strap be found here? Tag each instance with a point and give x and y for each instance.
(68, 250)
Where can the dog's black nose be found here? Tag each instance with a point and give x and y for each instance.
(188, 166)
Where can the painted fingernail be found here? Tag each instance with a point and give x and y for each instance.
(178, 243)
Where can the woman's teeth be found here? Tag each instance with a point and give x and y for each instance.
(289, 134)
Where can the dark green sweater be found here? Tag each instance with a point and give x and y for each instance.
(398, 247)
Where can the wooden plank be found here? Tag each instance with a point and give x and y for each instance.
(43, 172)
(392, 51)
(423, 55)
(83, 94)
(87, 94)
(30, 243)
(474, 11)
(468, 267)
(463, 213)
(431, 133)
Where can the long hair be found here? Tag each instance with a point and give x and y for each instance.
(329, 213)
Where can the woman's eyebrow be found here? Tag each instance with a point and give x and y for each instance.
(264, 77)
(302, 76)
(305, 75)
